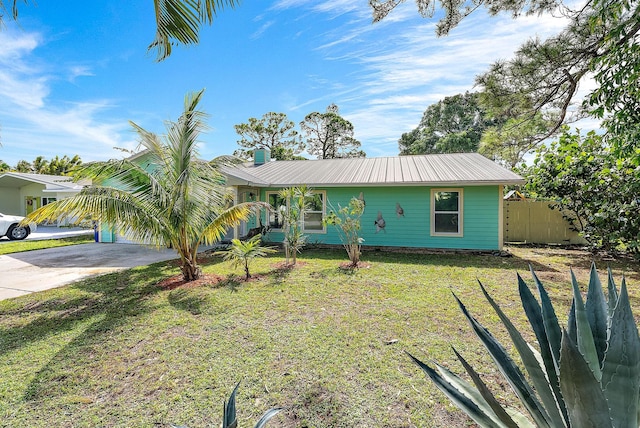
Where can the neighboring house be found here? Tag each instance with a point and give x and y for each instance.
(22, 193)
(443, 201)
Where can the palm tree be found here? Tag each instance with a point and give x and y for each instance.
(173, 200)
(177, 21)
(243, 253)
(180, 21)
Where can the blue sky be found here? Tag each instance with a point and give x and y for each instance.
(73, 73)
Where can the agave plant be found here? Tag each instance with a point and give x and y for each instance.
(585, 375)
(229, 419)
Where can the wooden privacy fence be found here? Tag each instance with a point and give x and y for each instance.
(535, 222)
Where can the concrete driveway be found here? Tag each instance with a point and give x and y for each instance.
(31, 271)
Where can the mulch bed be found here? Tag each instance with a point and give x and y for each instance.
(349, 266)
(176, 281)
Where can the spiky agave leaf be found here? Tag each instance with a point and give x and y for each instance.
(585, 341)
(268, 415)
(476, 408)
(487, 395)
(533, 310)
(537, 374)
(550, 320)
(509, 370)
(229, 419)
(596, 307)
(612, 292)
(621, 369)
(585, 400)
(572, 328)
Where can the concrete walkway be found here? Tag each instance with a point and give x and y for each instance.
(31, 271)
(53, 232)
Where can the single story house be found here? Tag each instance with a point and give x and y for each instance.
(22, 193)
(440, 201)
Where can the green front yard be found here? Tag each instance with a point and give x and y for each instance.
(8, 247)
(327, 344)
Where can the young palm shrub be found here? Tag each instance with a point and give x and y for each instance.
(243, 253)
(229, 419)
(347, 222)
(584, 375)
(174, 200)
(293, 220)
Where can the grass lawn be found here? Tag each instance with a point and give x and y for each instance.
(8, 247)
(327, 344)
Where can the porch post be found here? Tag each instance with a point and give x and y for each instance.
(500, 217)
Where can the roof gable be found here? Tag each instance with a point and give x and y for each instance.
(438, 169)
(51, 182)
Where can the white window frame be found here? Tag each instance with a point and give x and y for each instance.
(267, 198)
(323, 213)
(459, 212)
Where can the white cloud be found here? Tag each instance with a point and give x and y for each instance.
(404, 67)
(264, 27)
(60, 126)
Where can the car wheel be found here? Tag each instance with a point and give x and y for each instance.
(16, 233)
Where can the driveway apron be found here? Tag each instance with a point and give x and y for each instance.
(32, 271)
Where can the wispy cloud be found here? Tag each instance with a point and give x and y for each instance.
(263, 28)
(404, 67)
(26, 108)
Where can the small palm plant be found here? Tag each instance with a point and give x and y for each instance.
(347, 222)
(242, 253)
(297, 204)
(585, 375)
(229, 419)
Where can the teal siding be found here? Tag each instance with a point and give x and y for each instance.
(480, 223)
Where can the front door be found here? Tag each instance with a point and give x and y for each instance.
(32, 203)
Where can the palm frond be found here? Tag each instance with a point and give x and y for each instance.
(180, 21)
(230, 218)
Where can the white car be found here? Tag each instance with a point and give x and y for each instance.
(10, 227)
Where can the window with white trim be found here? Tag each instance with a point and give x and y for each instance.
(276, 215)
(312, 221)
(315, 213)
(446, 212)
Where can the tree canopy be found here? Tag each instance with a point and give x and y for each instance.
(543, 77)
(508, 143)
(452, 125)
(40, 165)
(329, 135)
(274, 131)
(598, 187)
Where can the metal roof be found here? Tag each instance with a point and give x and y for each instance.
(51, 182)
(437, 169)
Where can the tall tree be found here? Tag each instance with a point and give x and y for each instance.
(23, 166)
(4, 166)
(62, 165)
(330, 136)
(274, 131)
(602, 38)
(40, 165)
(509, 143)
(180, 203)
(57, 166)
(452, 125)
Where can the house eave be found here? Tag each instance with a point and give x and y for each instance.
(385, 184)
